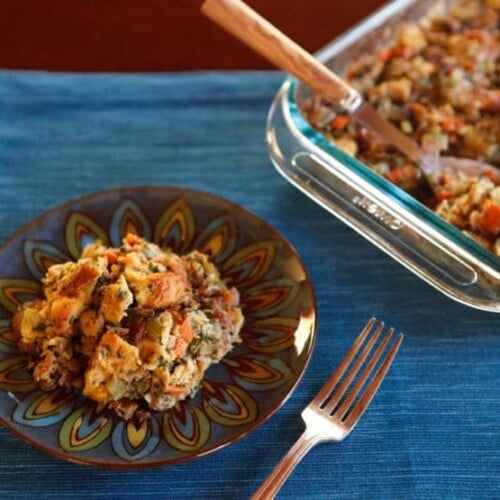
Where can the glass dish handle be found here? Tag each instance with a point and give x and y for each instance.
(375, 221)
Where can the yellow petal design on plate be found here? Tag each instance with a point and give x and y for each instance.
(269, 298)
(44, 261)
(40, 255)
(251, 263)
(80, 231)
(13, 292)
(128, 218)
(136, 435)
(176, 227)
(218, 238)
(84, 430)
(14, 376)
(42, 409)
(134, 443)
(270, 335)
(8, 339)
(186, 427)
(51, 402)
(129, 224)
(228, 404)
(258, 372)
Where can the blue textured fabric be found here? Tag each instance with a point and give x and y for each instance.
(432, 431)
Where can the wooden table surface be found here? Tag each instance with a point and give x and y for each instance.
(154, 35)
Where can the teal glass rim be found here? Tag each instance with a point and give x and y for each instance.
(403, 199)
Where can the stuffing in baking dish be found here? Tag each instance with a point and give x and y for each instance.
(132, 328)
(438, 81)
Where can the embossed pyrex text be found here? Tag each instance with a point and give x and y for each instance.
(377, 212)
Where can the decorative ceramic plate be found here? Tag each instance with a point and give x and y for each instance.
(237, 395)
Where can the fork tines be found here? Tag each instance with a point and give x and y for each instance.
(338, 395)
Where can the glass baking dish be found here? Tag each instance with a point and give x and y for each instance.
(387, 216)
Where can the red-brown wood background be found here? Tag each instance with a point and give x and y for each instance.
(154, 35)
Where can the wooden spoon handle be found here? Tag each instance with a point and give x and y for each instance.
(244, 23)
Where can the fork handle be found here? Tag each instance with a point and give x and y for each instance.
(279, 475)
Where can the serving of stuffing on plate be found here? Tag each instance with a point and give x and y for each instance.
(132, 328)
(438, 81)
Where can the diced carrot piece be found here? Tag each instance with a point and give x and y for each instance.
(174, 390)
(388, 54)
(177, 316)
(469, 65)
(183, 340)
(402, 51)
(491, 103)
(444, 195)
(492, 176)
(131, 239)
(111, 257)
(180, 347)
(395, 175)
(447, 179)
(451, 125)
(227, 296)
(340, 122)
(488, 17)
(481, 35)
(490, 218)
(384, 55)
(186, 331)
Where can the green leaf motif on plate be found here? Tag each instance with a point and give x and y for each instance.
(83, 430)
(228, 404)
(186, 428)
(256, 372)
(14, 375)
(80, 231)
(269, 298)
(42, 409)
(129, 218)
(250, 264)
(14, 292)
(40, 255)
(8, 339)
(218, 238)
(270, 335)
(132, 442)
(176, 227)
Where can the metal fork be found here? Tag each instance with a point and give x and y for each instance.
(334, 412)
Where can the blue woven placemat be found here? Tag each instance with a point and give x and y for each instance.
(433, 429)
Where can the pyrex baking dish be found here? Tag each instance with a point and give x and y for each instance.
(387, 216)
